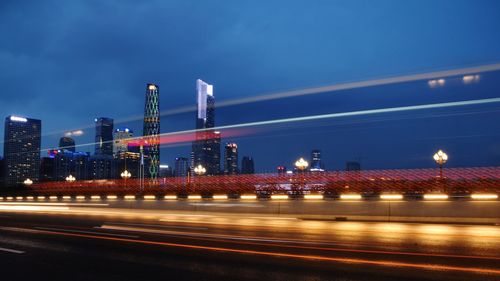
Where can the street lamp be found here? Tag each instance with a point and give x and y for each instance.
(28, 182)
(125, 175)
(70, 178)
(301, 164)
(441, 158)
(200, 170)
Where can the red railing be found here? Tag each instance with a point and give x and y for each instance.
(410, 181)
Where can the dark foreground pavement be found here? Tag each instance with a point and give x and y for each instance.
(53, 246)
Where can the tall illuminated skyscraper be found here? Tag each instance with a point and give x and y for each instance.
(104, 136)
(231, 159)
(316, 163)
(121, 139)
(22, 141)
(206, 147)
(151, 132)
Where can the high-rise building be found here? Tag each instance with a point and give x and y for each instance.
(128, 160)
(47, 169)
(22, 140)
(181, 167)
(165, 171)
(151, 132)
(316, 163)
(231, 158)
(206, 147)
(352, 166)
(72, 163)
(67, 143)
(100, 167)
(121, 139)
(2, 171)
(104, 136)
(247, 165)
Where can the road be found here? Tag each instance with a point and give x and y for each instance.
(95, 243)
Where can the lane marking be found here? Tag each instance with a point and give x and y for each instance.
(12, 251)
(86, 232)
(384, 263)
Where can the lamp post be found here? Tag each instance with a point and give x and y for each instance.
(301, 166)
(199, 170)
(441, 158)
(125, 175)
(70, 179)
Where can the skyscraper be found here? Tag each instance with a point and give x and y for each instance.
(104, 136)
(181, 167)
(121, 139)
(247, 165)
(352, 166)
(316, 163)
(151, 131)
(206, 147)
(47, 169)
(231, 159)
(67, 143)
(22, 140)
(2, 170)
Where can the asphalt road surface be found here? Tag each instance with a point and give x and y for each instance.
(54, 244)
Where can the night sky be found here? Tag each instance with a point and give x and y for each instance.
(67, 62)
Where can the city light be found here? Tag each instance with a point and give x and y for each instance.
(301, 164)
(350, 196)
(111, 197)
(433, 196)
(467, 79)
(219, 196)
(149, 197)
(125, 174)
(279, 196)
(313, 196)
(70, 178)
(95, 197)
(391, 196)
(194, 196)
(18, 119)
(479, 196)
(170, 197)
(129, 197)
(200, 170)
(28, 182)
(248, 196)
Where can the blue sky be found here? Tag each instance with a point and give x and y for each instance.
(67, 62)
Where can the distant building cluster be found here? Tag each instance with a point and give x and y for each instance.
(118, 150)
(118, 153)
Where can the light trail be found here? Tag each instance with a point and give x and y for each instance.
(256, 239)
(384, 263)
(323, 89)
(11, 251)
(189, 135)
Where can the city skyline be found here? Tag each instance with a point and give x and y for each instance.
(243, 71)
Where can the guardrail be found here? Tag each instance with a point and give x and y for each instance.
(243, 197)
